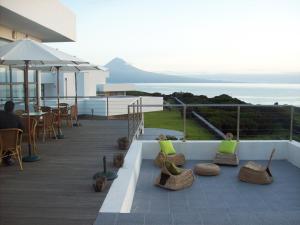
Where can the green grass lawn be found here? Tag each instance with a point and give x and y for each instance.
(172, 120)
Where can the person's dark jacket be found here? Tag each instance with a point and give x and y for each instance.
(10, 120)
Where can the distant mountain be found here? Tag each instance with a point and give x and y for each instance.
(122, 72)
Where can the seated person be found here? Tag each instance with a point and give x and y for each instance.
(9, 120)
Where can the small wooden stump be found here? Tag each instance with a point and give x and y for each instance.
(100, 184)
(118, 160)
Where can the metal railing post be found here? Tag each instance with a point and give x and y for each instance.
(138, 110)
(107, 112)
(292, 123)
(238, 123)
(142, 116)
(184, 122)
(133, 116)
(128, 111)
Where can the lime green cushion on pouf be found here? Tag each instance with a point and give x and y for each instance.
(167, 147)
(227, 146)
(172, 168)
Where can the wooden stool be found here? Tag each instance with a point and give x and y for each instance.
(206, 169)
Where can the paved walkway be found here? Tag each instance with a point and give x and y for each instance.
(57, 190)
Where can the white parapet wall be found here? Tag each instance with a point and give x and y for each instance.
(120, 196)
(121, 192)
(294, 153)
(206, 150)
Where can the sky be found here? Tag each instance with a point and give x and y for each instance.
(189, 36)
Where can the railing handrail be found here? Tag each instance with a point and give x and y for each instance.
(216, 105)
(238, 108)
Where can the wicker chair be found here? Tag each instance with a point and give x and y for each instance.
(227, 159)
(46, 109)
(174, 182)
(64, 114)
(11, 140)
(224, 158)
(256, 173)
(47, 126)
(178, 159)
(73, 113)
(62, 104)
(33, 135)
(36, 108)
(55, 117)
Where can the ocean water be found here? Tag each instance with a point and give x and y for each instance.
(255, 93)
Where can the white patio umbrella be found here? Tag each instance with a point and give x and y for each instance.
(63, 68)
(29, 52)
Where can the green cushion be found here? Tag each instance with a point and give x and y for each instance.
(167, 147)
(172, 168)
(227, 146)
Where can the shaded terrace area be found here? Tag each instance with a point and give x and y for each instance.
(58, 189)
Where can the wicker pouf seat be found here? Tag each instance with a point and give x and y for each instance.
(206, 169)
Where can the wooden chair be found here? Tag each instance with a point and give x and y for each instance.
(182, 179)
(256, 173)
(11, 142)
(47, 125)
(33, 134)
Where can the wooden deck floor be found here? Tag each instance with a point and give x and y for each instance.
(58, 188)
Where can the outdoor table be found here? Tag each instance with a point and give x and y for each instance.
(37, 115)
(56, 107)
(34, 114)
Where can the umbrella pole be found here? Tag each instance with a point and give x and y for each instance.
(76, 102)
(30, 157)
(59, 132)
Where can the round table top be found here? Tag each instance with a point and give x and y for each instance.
(34, 114)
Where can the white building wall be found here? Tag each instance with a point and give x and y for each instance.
(116, 87)
(86, 83)
(67, 84)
